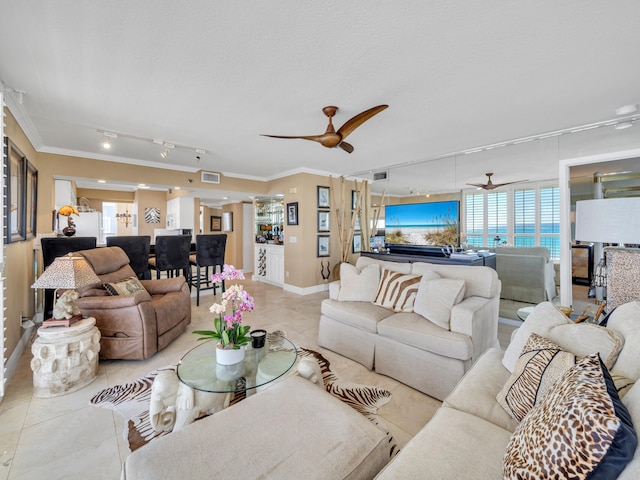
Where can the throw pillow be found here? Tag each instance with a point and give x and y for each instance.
(436, 297)
(358, 285)
(540, 365)
(125, 287)
(581, 339)
(397, 291)
(579, 430)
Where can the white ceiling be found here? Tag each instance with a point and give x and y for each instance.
(215, 75)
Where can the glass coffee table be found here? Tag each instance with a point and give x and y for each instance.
(199, 370)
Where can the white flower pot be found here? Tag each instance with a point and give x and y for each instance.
(229, 357)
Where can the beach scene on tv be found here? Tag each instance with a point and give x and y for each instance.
(427, 224)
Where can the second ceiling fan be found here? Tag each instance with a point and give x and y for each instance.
(490, 185)
(331, 138)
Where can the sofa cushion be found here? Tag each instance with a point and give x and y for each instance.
(128, 286)
(411, 329)
(362, 315)
(581, 429)
(454, 445)
(479, 281)
(581, 339)
(436, 296)
(476, 392)
(358, 285)
(397, 291)
(540, 365)
(626, 320)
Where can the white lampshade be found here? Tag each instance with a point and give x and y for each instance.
(609, 220)
(67, 272)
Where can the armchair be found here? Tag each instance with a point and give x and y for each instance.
(138, 325)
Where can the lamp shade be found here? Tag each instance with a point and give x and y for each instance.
(67, 272)
(608, 220)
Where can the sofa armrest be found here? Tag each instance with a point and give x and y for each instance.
(334, 290)
(163, 285)
(477, 317)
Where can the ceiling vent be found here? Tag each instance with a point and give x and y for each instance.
(380, 176)
(210, 177)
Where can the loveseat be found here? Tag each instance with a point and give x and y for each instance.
(471, 433)
(133, 326)
(454, 322)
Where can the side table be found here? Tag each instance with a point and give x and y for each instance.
(65, 359)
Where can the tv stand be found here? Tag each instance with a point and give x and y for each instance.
(435, 257)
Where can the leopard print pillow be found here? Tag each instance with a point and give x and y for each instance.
(579, 430)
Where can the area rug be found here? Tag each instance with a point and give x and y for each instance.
(131, 400)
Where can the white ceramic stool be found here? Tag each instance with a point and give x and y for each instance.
(65, 359)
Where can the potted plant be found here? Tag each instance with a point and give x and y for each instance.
(232, 336)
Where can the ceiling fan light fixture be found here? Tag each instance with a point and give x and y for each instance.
(623, 125)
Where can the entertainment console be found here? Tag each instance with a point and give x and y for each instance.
(489, 260)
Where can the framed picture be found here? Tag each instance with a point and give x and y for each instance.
(354, 199)
(292, 213)
(151, 215)
(323, 197)
(357, 242)
(323, 221)
(323, 245)
(356, 226)
(31, 199)
(15, 193)
(216, 223)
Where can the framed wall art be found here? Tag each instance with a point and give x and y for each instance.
(323, 220)
(357, 242)
(323, 197)
(227, 221)
(216, 223)
(292, 213)
(151, 215)
(323, 245)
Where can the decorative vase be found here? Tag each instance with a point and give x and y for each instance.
(69, 231)
(229, 356)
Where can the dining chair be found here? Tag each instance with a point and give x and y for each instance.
(210, 250)
(137, 249)
(172, 256)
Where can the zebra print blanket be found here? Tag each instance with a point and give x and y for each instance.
(131, 400)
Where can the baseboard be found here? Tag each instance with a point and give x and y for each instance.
(307, 290)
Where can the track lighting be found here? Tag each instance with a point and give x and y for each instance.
(623, 125)
(164, 153)
(106, 139)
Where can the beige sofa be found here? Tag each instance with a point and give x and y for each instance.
(405, 345)
(469, 434)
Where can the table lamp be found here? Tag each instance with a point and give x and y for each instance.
(67, 272)
(607, 220)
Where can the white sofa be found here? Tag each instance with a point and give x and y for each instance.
(405, 345)
(469, 434)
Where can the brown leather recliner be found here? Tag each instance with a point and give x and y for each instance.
(134, 326)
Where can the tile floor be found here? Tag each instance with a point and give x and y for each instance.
(66, 438)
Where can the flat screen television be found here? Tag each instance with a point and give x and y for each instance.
(422, 226)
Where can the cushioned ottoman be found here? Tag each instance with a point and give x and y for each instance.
(291, 430)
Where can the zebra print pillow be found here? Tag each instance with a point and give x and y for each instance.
(397, 291)
(540, 365)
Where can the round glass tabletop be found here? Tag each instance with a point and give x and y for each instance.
(199, 370)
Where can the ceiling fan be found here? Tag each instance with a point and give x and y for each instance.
(331, 138)
(490, 185)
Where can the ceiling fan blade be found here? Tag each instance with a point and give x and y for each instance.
(495, 185)
(347, 147)
(315, 138)
(479, 185)
(353, 123)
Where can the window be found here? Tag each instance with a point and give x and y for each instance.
(523, 217)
